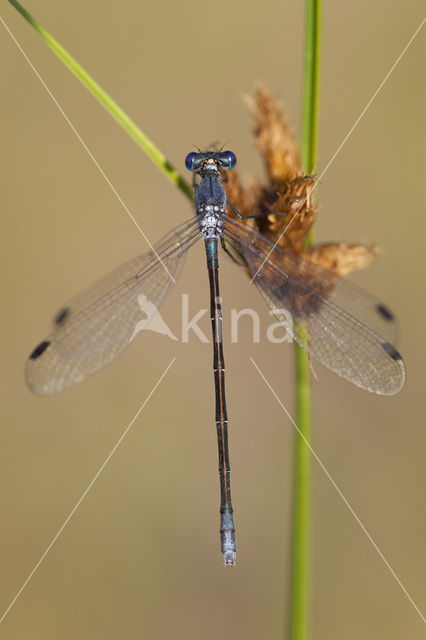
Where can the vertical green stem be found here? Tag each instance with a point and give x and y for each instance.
(299, 592)
(311, 80)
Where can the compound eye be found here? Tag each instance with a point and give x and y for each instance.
(231, 159)
(190, 160)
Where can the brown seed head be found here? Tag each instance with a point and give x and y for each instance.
(287, 191)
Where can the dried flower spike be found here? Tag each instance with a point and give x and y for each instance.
(287, 190)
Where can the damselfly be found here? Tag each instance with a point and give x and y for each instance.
(344, 328)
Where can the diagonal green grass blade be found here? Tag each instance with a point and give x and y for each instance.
(110, 105)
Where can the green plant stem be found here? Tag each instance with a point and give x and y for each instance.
(310, 109)
(299, 589)
(110, 105)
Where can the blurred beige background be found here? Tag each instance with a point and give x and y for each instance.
(140, 557)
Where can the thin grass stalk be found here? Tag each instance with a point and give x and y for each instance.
(108, 103)
(299, 587)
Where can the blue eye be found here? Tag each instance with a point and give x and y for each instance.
(230, 159)
(189, 161)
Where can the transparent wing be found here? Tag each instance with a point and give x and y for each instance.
(98, 324)
(341, 326)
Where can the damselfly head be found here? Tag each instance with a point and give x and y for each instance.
(210, 161)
